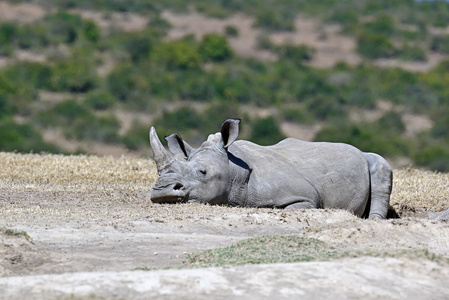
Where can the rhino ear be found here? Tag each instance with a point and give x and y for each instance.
(229, 131)
(178, 146)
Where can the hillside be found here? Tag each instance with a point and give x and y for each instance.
(92, 77)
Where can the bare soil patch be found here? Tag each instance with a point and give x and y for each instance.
(93, 215)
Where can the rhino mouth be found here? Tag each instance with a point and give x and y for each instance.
(173, 193)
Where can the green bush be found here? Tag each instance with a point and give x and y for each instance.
(295, 54)
(8, 32)
(374, 45)
(179, 54)
(27, 73)
(76, 73)
(435, 156)
(17, 90)
(100, 129)
(274, 21)
(231, 31)
(368, 137)
(6, 108)
(63, 27)
(347, 17)
(62, 114)
(440, 44)
(383, 24)
(325, 107)
(412, 53)
(180, 120)
(91, 31)
(159, 24)
(100, 100)
(391, 122)
(136, 137)
(121, 83)
(22, 138)
(297, 115)
(215, 47)
(266, 131)
(219, 111)
(33, 36)
(137, 45)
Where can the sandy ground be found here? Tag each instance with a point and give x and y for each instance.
(94, 229)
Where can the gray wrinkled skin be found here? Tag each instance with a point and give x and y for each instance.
(290, 174)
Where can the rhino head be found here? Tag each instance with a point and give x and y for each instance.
(194, 175)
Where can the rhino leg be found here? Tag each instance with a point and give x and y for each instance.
(381, 179)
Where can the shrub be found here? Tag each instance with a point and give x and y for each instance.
(63, 27)
(120, 82)
(100, 129)
(179, 54)
(76, 73)
(266, 131)
(62, 114)
(346, 17)
(214, 47)
(219, 111)
(137, 45)
(180, 120)
(6, 108)
(382, 24)
(297, 115)
(91, 31)
(136, 137)
(231, 31)
(440, 44)
(391, 122)
(33, 36)
(325, 107)
(434, 156)
(368, 137)
(374, 45)
(100, 100)
(295, 54)
(274, 21)
(26, 73)
(8, 32)
(412, 53)
(159, 24)
(17, 92)
(22, 138)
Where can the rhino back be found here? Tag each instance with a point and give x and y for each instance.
(333, 175)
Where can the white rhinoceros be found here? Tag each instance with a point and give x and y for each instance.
(290, 174)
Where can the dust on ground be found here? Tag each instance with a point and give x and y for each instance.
(93, 214)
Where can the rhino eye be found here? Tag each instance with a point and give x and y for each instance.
(204, 172)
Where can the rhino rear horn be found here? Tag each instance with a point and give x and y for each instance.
(162, 158)
(178, 146)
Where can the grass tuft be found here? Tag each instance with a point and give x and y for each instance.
(14, 232)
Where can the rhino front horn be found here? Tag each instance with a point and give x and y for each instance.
(162, 158)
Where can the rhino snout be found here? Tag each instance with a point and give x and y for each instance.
(175, 192)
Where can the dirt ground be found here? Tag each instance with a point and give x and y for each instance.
(95, 234)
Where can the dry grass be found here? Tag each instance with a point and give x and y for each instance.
(414, 191)
(418, 191)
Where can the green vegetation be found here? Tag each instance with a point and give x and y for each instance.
(288, 249)
(263, 250)
(15, 232)
(190, 84)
